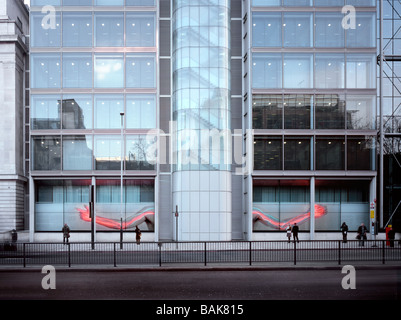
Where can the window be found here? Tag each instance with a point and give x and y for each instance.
(298, 71)
(141, 71)
(361, 111)
(43, 32)
(267, 70)
(77, 111)
(266, 3)
(77, 153)
(361, 3)
(45, 112)
(297, 111)
(361, 71)
(268, 153)
(266, 29)
(109, 71)
(297, 153)
(77, 29)
(329, 71)
(267, 111)
(140, 2)
(328, 29)
(107, 152)
(109, 2)
(297, 3)
(329, 111)
(364, 34)
(297, 28)
(46, 153)
(361, 153)
(140, 29)
(330, 153)
(77, 2)
(141, 112)
(107, 111)
(109, 29)
(46, 71)
(139, 153)
(77, 70)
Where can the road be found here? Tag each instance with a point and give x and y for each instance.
(288, 284)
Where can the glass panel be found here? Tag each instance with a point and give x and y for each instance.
(109, 29)
(328, 29)
(361, 153)
(49, 205)
(140, 29)
(297, 153)
(297, 111)
(267, 111)
(77, 70)
(141, 112)
(329, 111)
(266, 30)
(297, 28)
(77, 29)
(361, 3)
(330, 153)
(45, 112)
(329, 3)
(361, 112)
(267, 70)
(45, 2)
(77, 153)
(108, 152)
(46, 70)
(361, 71)
(141, 71)
(298, 70)
(45, 32)
(364, 34)
(268, 153)
(107, 111)
(46, 153)
(109, 2)
(109, 71)
(266, 3)
(77, 111)
(329, 71)
(77, 2)
(140, 2)
(297, 3)
(139, 153)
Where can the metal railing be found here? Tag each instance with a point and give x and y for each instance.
(203, 253)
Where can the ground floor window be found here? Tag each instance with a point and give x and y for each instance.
(67, 201)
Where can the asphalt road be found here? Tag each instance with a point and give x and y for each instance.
(289, 284)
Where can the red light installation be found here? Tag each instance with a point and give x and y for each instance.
(271, 221)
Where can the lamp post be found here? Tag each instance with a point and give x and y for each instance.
(121, 186)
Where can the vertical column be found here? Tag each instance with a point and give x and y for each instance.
(312, 208)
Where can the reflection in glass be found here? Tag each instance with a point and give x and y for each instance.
(364, 34)
(46, 153)
(108, 152)
(77, 70)
(297, 153)
(268, 153)
(329, 111)
(297, 111)
(298, 70)
(77, 153)
(42, 32)
(361, 112)
(361, 71)
(360, 153)
(141, 71)
(297, 28)
(77, 29)
(46, 70)
(109, 29)
(330, 153)
(77, 111)
(267, 70)
(329, 71)
(45, 112)
(141, 112)
(109, 71)
(139, 154)
(266, 29)
(328, 29)
(267, 111)
(107, 111)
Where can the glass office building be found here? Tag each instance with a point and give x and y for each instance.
(192, 78)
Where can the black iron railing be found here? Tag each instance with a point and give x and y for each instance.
(203, 253)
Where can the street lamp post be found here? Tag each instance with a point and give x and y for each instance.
(121, 186)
